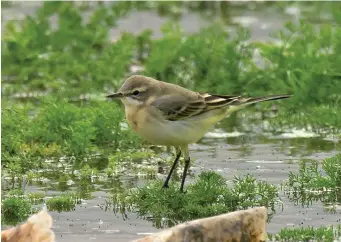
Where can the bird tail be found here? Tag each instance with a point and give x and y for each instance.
(235, 103)
(217, 101)
(251, 100)
(242, 102)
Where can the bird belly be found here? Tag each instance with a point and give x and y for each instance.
(171, 133)
(177, 133)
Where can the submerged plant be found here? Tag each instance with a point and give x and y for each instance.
(208, 196)
(316, 182)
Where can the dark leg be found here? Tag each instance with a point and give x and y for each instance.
(165, 185)
(187, 160)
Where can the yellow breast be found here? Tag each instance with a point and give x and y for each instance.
(135, 117)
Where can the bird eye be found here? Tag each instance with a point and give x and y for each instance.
(136, 92)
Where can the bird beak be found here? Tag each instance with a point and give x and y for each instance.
(115, 95)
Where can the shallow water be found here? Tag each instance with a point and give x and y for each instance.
(267, 156)
(270, 160)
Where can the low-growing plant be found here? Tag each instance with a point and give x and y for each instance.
(36, 197)
(61, 128)
(209, 195)
(19, 193)
(76, 63)
(322, 119)
(315, 181)
(323, 233)
(15, 210)
(211, 60)
(63, 203)
(57, 60)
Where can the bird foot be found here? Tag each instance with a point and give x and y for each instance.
(165, 186)
(182, 191)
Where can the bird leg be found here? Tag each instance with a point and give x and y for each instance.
(178, 154)
(187, 160)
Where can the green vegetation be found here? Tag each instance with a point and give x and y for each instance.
(42, 60)
(60, 128)
(316, 182)
(209, 195)
(59, 132)
(326, 234)
(14, 210)
(36, 197)
(63, 203)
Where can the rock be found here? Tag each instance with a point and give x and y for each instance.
(36, 229)
(243, 225)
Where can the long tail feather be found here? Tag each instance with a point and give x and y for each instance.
(252, 100)
(235, 103)
(217, 101)
(241, 102)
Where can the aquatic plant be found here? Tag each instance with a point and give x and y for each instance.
(323, 233)
(63, 203)
(73, 135)
(315, 181)
(209, 195)
(36, 197)
(14, 210)
(41, 58)
(305, 64)
(61, 128)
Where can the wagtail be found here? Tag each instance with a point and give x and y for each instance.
(167, 114)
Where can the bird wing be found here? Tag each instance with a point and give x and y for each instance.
(177, 107)
(217, 101)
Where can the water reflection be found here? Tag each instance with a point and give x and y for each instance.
(330, 198)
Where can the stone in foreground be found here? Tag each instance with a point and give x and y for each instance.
(36, 229)
(243, 225)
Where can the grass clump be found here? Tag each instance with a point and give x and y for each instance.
(15, 210)
(62, 128)
(324, 233)
(78, 134)
(36, 197)
(209, 195)
(63, 203)
(19, 193)
(304, 64)
(57, 60)
(316, 182)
